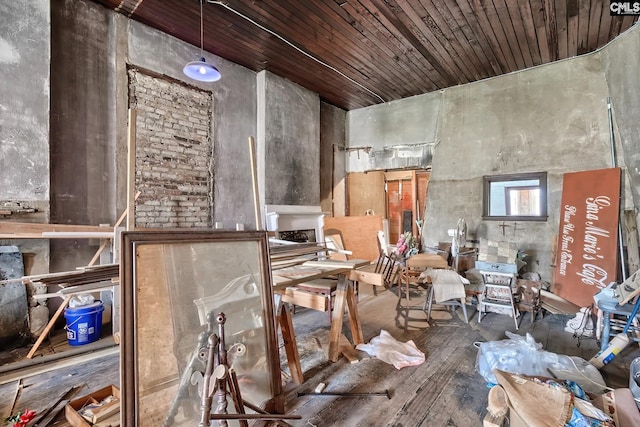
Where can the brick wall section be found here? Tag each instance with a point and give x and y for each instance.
(173, 153)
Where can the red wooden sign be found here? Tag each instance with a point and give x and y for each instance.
(587, 238)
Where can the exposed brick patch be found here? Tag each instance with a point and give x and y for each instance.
(173, 153)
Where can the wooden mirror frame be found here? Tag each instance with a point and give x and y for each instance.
(221, 249)
(487, 180)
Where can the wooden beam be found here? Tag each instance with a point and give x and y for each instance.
(58, 364)
(307, 299)
(290, 346)
(44, 333)
(254, 181)
(631, 235)
(27, 228)
(368, 277)
(104, 243)
(347, 350)
(131, 169)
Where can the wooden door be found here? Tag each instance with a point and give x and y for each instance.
(366, 193)
(401, 208)
(406, 201)
(422, 178)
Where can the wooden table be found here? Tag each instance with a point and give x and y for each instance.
(345, 295)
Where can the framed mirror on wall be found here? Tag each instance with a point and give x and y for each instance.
(174, 284)
(515, 197)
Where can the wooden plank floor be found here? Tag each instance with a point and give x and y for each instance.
(445, 390)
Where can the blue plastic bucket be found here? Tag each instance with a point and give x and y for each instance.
(84, 323)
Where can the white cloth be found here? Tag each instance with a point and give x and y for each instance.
(447, 284)
(392, 351)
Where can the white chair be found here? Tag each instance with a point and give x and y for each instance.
(497, 293)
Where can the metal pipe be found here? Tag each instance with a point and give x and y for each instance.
(328, 393)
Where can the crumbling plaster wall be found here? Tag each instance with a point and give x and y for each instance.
(234, 116)
(395, 135)
(25, 39)
(288, 141)
(99, 140)
(88, 166)
(622, 69)
(332, 159)
(24, 100)
(550, 118)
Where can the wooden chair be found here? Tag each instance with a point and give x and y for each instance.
(410, 282)
(528, 299)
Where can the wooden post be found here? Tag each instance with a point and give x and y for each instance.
(631, 232)
(336, 320)
(131, 170)
(254, 180)
(290, 346)
(44, 333)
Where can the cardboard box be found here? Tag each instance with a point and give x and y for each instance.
(100, 409)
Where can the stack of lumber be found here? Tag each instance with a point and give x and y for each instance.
(79, 277)
(25, 230)
(283, 255)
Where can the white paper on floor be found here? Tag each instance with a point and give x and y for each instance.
(392, 351)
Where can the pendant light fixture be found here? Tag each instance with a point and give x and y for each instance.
(200, 70)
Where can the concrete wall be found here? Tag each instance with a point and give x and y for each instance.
(394, 135)
(289, 137)
(622, 68)
(551, 118)
(94, 47)
(234, 116)
(332, 159)
(24, 100)
(25, 39)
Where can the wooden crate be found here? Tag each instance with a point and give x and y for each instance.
(107, 414)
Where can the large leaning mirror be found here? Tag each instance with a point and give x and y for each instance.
(515, 197)
(174, 285)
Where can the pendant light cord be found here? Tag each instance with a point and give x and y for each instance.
(226, 6)
(201, 29)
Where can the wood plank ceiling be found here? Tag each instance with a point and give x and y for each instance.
(373, 51)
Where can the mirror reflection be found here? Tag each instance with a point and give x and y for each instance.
(516, 196)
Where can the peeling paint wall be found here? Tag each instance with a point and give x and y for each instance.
(396, 135)
(24, 100)
(233, 121)
(25, 39)
(622, 72)
(332, 159)
(550, 118)
(289, 118)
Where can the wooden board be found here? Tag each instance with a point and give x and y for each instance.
(631, 234)
(7, 227)
(367, 275)
(157, 377)
(587, 235)
(366, 192)
(305, 298)
(359, 233)
(557, 305)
